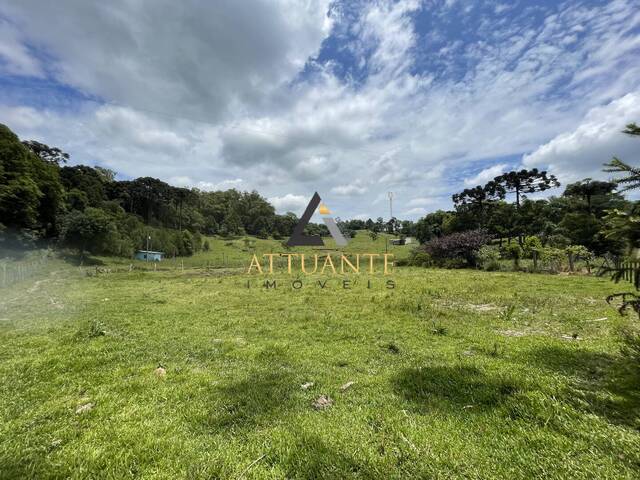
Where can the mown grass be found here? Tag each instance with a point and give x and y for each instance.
(458, 374)
(236, 252)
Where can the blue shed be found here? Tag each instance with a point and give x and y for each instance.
(149, 256)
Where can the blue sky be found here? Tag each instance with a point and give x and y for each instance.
(350, 99)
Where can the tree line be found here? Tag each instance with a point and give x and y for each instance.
(589, 217)
(42, 199)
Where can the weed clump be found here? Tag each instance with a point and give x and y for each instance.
(96, 329)
(392, 348)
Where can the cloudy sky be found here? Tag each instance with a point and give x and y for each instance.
(352, 99)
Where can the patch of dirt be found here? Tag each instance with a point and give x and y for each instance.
(481, 308)
(36, 285)
(513, 333)
(322, 402)
(346, 386)
(84, 408)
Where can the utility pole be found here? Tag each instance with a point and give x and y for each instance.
(390, 194)
(148, 240)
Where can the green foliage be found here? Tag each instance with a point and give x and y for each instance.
(530, 245)
(623, 227)
(552, 258)
(30, 189)
(558, 241)
(489, 258)
(512, 251)
(579, 251)
(87, 231)
(631, 175)
(432, 225)
(420, 259)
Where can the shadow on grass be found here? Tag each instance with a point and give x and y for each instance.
(599, 383)
(249, 402)
(574, 362)
(258, 397)
(311, 458)
(456, 388)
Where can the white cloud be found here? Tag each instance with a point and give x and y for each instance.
(421, 202)
(486, 175)
(211, 100)
(15, 58)
(289, 203)
(206, 186)
(189, 58)
(581, 152)
(350, 189)
(417, 211)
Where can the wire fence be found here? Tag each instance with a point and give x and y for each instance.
(13, 272)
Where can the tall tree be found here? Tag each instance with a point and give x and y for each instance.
(30, 189)
(521, 182)
(588, 188)
(47, 153)
(631, 178)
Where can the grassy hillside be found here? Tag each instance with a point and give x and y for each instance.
(237, 252)
(456, 374)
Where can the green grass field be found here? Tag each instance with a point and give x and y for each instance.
(457, 374)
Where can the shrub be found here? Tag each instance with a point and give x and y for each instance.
(552, 258)
(420, 259)
(558, 241)
(530, 245)
(576, 252)
(489, 258)
(457, 249)
(513, 252)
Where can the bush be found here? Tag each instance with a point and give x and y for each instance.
(420, 259)
(552, 258)
(457, 249)
(577, 252)
(489, 258)
(558, 241)
(513, 252)
(530, 245)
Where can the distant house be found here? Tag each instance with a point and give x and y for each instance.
(401, 241)
(149, 256)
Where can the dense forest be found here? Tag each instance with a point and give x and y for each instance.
(44, 200)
